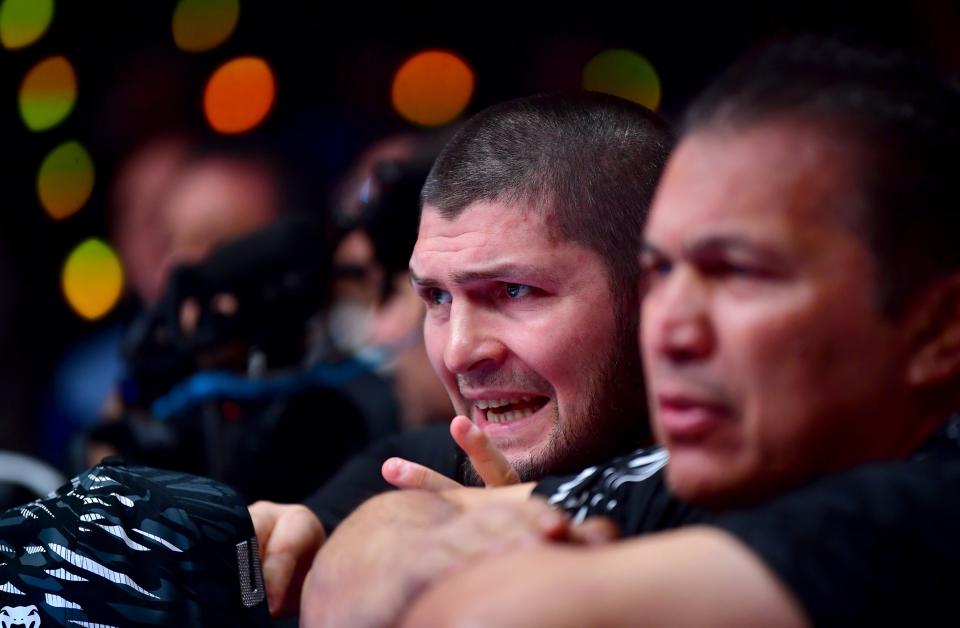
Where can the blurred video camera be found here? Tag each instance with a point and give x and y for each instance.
(216, 382)
(244, 308)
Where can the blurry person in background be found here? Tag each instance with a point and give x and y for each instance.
(376, 315)
(90, 371)
(138, 227)
(253, 364)
(220, 194)
(173, 200)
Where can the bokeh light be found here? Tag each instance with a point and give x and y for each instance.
(623, 73)
(201, 25)
(65, 180)
(432, 88)
(92, 279)
(239, 95)
(23, 22)
(48, 93)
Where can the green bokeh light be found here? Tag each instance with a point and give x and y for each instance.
(200, 25)
(23, 22)
(65, 180)
(48, 93)
(623, 73)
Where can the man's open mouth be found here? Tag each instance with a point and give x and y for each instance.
(510, 408)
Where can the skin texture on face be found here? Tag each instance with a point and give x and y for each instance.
(515, 316)
(140, 231)
(214, 202)
(767, 361)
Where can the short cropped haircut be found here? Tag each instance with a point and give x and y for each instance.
(587, 162)
(903, 121)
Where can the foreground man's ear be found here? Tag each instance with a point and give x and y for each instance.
(936, 320)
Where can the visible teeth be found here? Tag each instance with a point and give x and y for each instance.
(483, 404)
(511, 415)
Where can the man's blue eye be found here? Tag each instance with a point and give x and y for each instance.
(517, 290)
(439, 297)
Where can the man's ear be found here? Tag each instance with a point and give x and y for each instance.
(935, 320)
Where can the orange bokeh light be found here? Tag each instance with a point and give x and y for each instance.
(432, 88)
(239, 95)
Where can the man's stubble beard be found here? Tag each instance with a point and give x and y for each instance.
(613, 420)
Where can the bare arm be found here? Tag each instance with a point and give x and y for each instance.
(397, 543)
(693, 577)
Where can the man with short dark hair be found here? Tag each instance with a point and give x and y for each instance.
(801, 339)
(526, 261)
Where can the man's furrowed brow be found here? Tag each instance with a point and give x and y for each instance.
(424, 282)
(723, 244)
(518, 272)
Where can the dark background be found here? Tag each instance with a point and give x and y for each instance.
(334, 62)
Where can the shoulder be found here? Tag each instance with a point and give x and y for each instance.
(867, 545)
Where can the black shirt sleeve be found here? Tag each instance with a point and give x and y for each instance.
(630, 490)
(360, 478)
(875, 546)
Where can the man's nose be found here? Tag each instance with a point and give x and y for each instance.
(676, 318)
(472, 343)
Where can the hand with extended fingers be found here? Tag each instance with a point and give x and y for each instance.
(491, 465)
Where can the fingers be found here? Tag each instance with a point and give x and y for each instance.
(405, 474)
(594, 531)
(491, 465)
(264, 515)
(499, 526)
(289, 535)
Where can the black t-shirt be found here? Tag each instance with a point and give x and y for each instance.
(360, 478)
(878, 545)
(874, 546)
(630, 490)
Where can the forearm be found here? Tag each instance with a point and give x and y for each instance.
(693, 577)
(375, 546)
(467, 498)
(398, 544)
(699, 576)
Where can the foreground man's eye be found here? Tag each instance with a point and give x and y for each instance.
(516, 290)
(652, 265)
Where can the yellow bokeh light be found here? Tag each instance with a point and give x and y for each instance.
(623, 73)
(432, 88)
(23, 22)
(65, 180)
(239, 95)
(48, 93)
(201, 25)
(92, 279)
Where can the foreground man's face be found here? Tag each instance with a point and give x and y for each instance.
(767, 362)
(521, 330)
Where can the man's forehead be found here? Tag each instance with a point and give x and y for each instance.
(488, 240)
(765, 180)
(486, 215)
